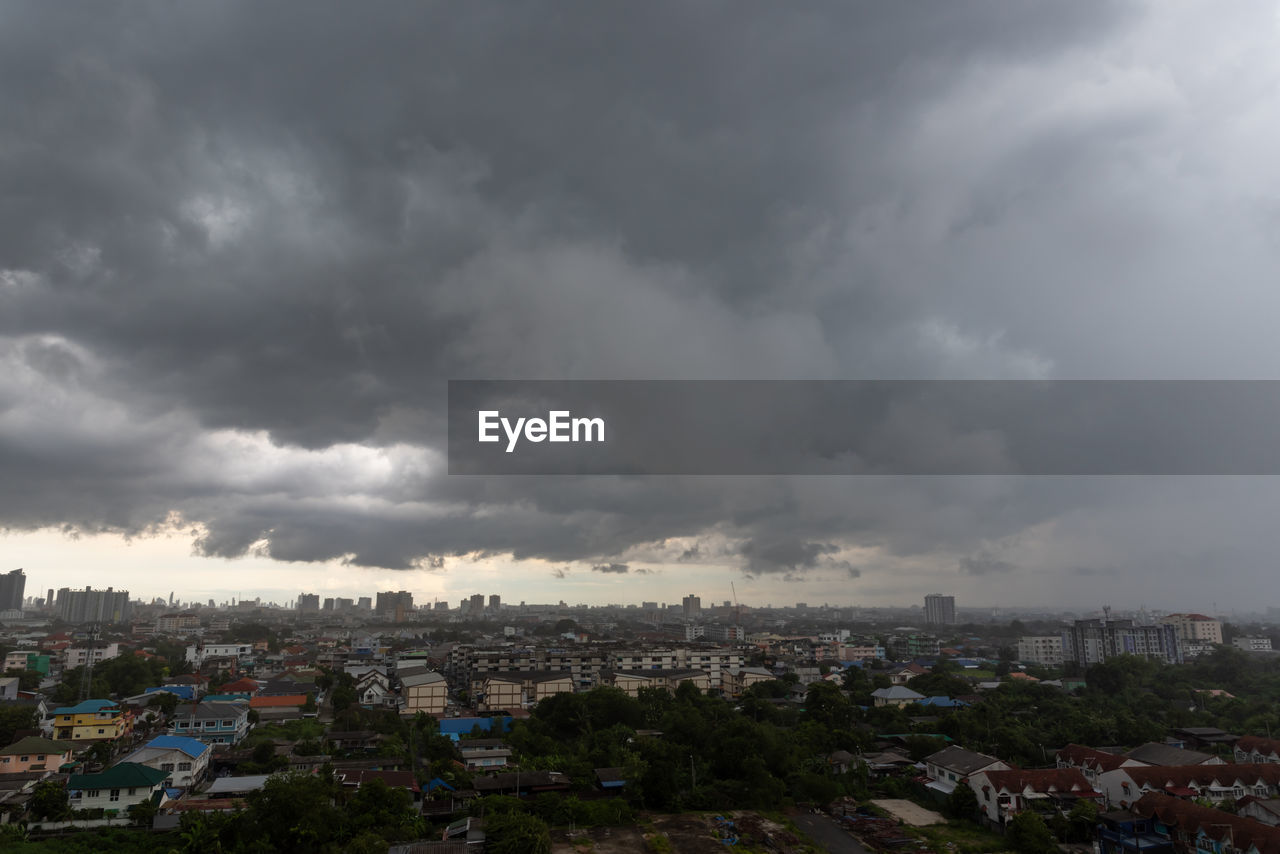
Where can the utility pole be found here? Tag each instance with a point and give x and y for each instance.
(693, 772)
(86, 672)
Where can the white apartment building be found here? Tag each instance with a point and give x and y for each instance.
(1045, 650)
(1196, 627)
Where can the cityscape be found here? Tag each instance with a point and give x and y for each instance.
(639, 428)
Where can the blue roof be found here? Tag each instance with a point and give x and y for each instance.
(460, 726)
(87, 707)
(190, 746)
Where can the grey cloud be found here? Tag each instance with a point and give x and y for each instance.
(618, 568)
(985, 564)
(232, 218)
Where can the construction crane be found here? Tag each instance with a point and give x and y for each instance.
(737, 609)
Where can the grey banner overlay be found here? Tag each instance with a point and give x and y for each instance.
(869, 427)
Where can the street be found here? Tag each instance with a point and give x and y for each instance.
(823, 830)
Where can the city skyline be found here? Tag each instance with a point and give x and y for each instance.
(241, 267)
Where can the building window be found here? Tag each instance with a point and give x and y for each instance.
(228, 724)
(166, 766)
(115, 794)
(184, 766)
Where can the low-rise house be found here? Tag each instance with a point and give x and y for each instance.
(524, 782)
(212, 723)
(897, 695)
(354, 740)
(423, 690)
(903, 675)
(1003, 794)
(611, 779)
(117, 788)
(1265, 810)
(92, 720)
(1124, 786)
(357, 777)
(736, 683)
(1153, 753)
(184, 760)
(1255, 748)
(520, 690)
(953, 765)
(34, 753)
(1092, 762)
(631, 681)
(279, 707)
(1190, 827)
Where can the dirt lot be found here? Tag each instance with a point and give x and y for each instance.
(911, 813)
(701, 834)
(603, 840)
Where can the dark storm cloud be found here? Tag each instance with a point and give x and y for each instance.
(611, 567)
(242, 246)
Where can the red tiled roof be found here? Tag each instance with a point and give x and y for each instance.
(1090, 757)
(239, 686)
(277, 702)
(1250, 743)
(1042, 780)
(1200, 776)
(394, 779)
(1191, 818)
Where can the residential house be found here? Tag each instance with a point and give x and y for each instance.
(520, 690)
(118, 788)
(355, 778)
(1124, 786)
(631, 681)
(1092, 762)
(953, 765)
(9, 686)
(212, 723)
(1265, 810)
(73, 657)
(34, 753)
(1153, 753)
(92, 720)
(737, 683)
(898, 695)
(423, 690)
(1003, 794)
(1190, 827)
(1255, 748)
(903, 675)
(279, 707)
(484, 758)
(185, 761)
(373, 690)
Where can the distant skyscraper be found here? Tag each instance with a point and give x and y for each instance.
(13, 586)
(692, 607)
(365, 603)
(940, 610)
(476, 606)
(495, 603)
(394, 604)
(93, 606)
(308, 603)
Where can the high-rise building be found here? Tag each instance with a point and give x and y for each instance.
(475, 608)
(13, 586)
(365, 603)
(495, 603)
(394, 604)
(1195, 628)
(692, 607)
(308, 603)
(939, 610)
(328, 604)
(93, 606)
(341, 604)
(1094, 641)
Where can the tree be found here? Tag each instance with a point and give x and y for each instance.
(962, 802)
(1028, 834)
(15, 718)
(144, 812)
(49, 801)
(516, 833)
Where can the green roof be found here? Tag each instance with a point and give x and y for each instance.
(36, 744)
(126, 775)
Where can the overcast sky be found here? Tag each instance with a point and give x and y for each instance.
(243, 246)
